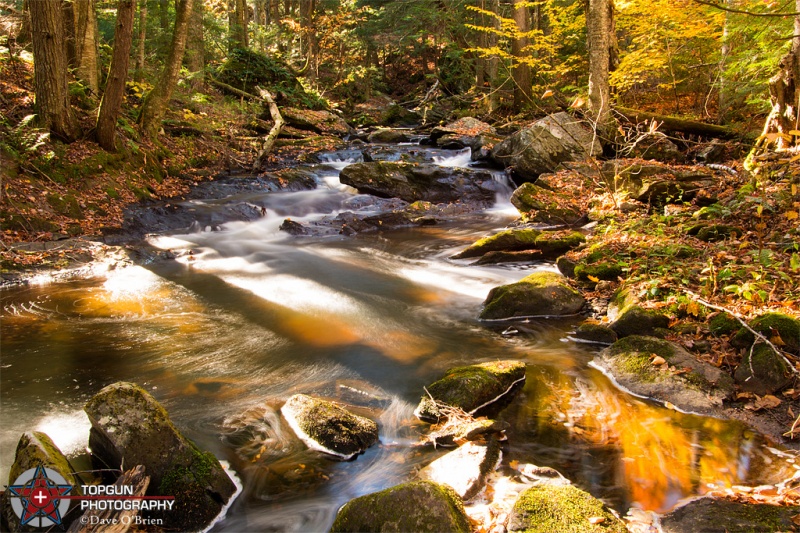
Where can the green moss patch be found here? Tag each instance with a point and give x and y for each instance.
(562, 508)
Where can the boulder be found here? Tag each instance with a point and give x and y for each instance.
(549, 245)
(466, 468)
(323, 122)
(397, 115)
(37, 449)
(541, 294)
(564, 508)
(412, 182)
(470, 388)
(540, 148)
(635, 320)
(385, 135)
(467, 132)
(714, 232)
(657, 147)
(655, 183)
(762, 371)
(329, 428)
(546, 203)
(129, 427)
(596, 333)
(451, 432)
(711, 515)
(419, 506)
(772, 326)
(664, 371)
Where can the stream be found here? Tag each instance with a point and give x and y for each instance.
(248, 315)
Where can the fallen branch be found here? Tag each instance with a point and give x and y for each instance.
(673, 124)
(269, 140)
(232, 89)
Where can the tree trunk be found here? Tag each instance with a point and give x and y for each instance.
(86, 43)
(142, 37)
(117, 75)
(50, 70)
(155, 103)
(493, 64)
(600, 42)
(724, 89)
(521, 73)
(195, 47)
(483, 43)
(68, 20)
(308, 43)
(237, 24)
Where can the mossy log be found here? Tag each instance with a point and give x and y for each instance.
(675, 124)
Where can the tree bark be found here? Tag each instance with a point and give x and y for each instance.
(521, 72)
(139, 68)
(237, 24)
(155, 103)
(117, 75)
(493, 64)
(86, 43)
(309, 39)
(600, 43)
(195, 47)
(50, 70)
(272, 136)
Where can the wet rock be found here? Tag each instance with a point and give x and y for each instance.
(388, 136)
(37, 449)
(465, 469)
(711, 515)
(540, 147)
(323, 122)
(329, 428)
(449, 433)
(467, 132)
(658, 147)
(664, 371)
(295, 179)
(762, 371)
(412, 182)
(470, 388)
(635, 320)
(784, 329)
(419, 506)
(543, 203)
(130, 427)
(293, 228)
(596, 333)
(397, 115)
(557, 507)
(548, 245)
(540, 294)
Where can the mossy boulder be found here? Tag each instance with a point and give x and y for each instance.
(413, 182)
(662, 370)
(449, 434)
(419, 506)
(317, 121)
(563, 508)
(328, 427)
(635, 320)
(658, 147)
(37, 449)
(540, 294)
(762, 371)
(471, 387)
(711, 515)
(723, 324)
(548, 244)
(772, 325)
(130, 427)
(605, 269)
(539, 202)
(388, 135)
(465, 132)
(714, 232)
(466, 468)
(397, 115)
(596, 333)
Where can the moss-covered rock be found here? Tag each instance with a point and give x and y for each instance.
(606, 269)
(37, 449)
(509, 240)
(723, 324)
(449, 434)
(327, 427)
(316, 121)
(714, 232)
(466, 468)
(635, 320)
(664, 371)
(471, 387)
(762, 371)
(562, 508)
(772, 325)
(546, 205)
(130, 427)
(540, 294)
(419, 506)
(596, 333)
(711, 515)
(388, 135)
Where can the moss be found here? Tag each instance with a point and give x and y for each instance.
(634, 353)
(539, 294)
(605, 270)
(565, 508)
(770, 325)
(634, 320)
(66, 205)
(723, 324)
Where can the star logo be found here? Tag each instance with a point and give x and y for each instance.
(37, 494)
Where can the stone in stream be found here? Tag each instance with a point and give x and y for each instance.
(470, 388)
(36, 449)
(711, 515)
(329, 428)
(541, 294)
(548, 245)
(466, 468)
(418, 506)
(129, 427)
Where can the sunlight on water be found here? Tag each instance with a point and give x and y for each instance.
(130, 281)
(297, 293)
(69, 431)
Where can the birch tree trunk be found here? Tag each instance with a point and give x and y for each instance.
(86, 43)
(117, 76)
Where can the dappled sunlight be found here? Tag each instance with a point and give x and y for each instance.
(320, 333)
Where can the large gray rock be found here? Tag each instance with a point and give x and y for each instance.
(664, 371)
(129, 427)
(564, 508)
(540, 294)
(471, 387)
(467, 132)
(710, 515)
(419, 506)
(466, 468)
(329, 428)
(542, 146)
(412, 182)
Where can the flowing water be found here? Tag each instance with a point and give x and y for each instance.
(247, 316)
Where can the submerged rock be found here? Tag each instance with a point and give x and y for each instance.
(541, 294)
(419, 506)
(129, 427)
(711, 515)
(540, 147)
(329, 428)
(564, 508)
(412, 182)
(664, 371)
(465, 469)
(471, 387)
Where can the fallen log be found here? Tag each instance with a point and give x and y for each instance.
(675, 124)
(269, 140)
(112, 521)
